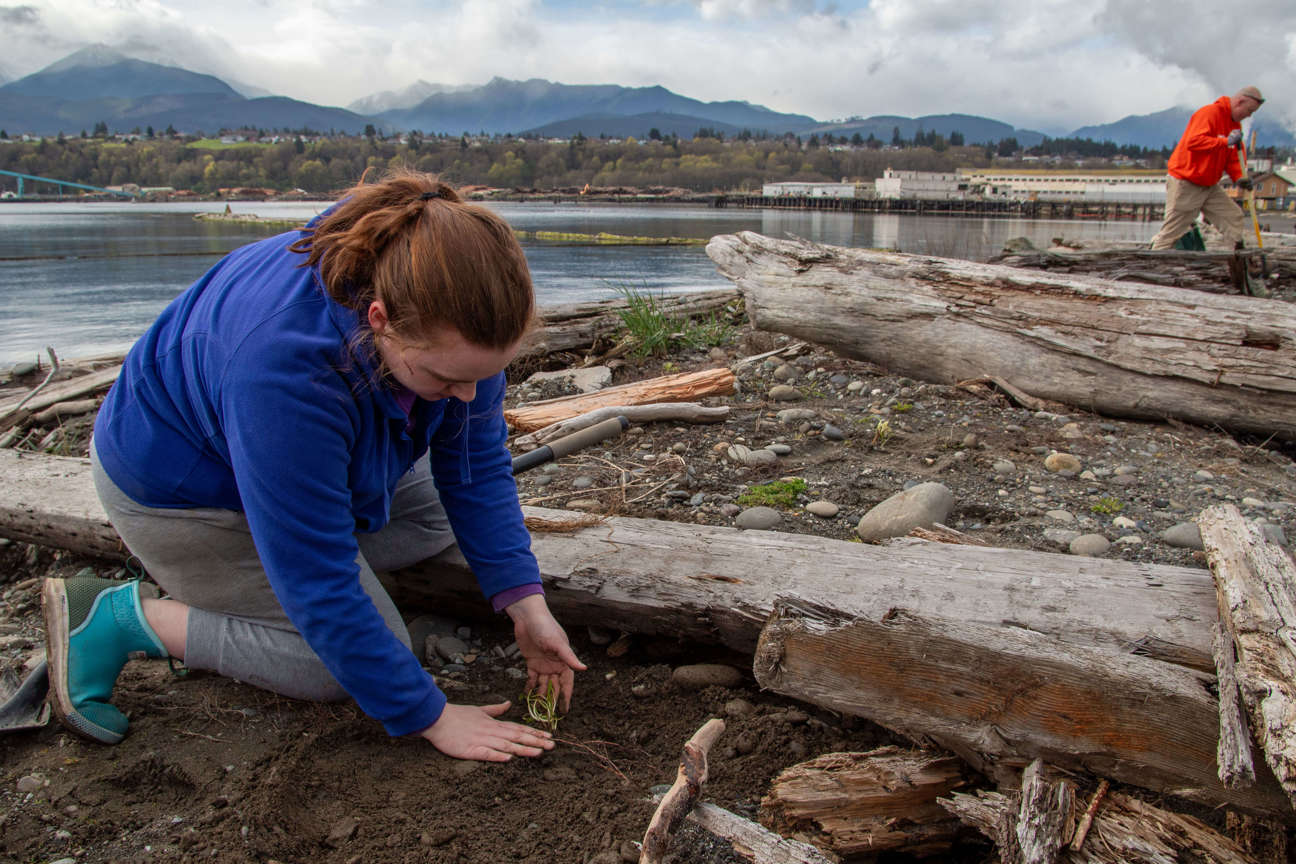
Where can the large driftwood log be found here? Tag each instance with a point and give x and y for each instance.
(1044, 646)
(1256, 585)
(684, 387)
(1200, 271)
(1118, 348)
(578, 326)
(1125, 831)
(860, 803)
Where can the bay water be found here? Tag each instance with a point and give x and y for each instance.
(88, 278)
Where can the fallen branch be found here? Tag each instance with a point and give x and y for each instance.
(677, 802)
(686, 412)
(668, 388)
(1082, 830)
(753, 841)
(1233, 753)
(980, 387)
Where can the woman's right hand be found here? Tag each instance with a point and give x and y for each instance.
(472, 732)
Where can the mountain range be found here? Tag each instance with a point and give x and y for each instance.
(98, 84)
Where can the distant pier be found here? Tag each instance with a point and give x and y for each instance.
(986, 208)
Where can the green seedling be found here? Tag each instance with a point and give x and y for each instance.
(902, 407)
(882, 433)
(1108, 506)
(778, 493)
(542, 709)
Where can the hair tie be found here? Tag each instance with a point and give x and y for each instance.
(428, 196)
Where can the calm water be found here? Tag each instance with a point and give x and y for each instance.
(89, 278)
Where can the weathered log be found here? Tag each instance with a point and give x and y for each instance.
(1022, 617)
(683, 794)
(1234, 751)
(1117, 348)
(683, 412)
(1200, 271)
(668, 388)
(1125, 831)
(72, 408)
(1256, 585)
(860, 803)
(1007, 693)
(580, 325)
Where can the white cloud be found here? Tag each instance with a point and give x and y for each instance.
(1045, 64)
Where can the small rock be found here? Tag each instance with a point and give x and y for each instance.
(971, 440)
(759, 518)
(1125, 479)
(341, 832)
(822, 509)
(786, 372)
(784, 393)
(1130, 540)
(738, 708)
(730, 509)
(1093, 545)
(855, 386)
(1071, 430)
(1004, 466)
(582, 482)
(788, 416)
(832, 433)
(1203, 475)
(699, 675)
(1060, 516)
(921, 506)
(1185, 535)
(1122, 470)
(1060, 536)
(1061, 462)
(778, 449)
(1273, 533)
(449, 647)
(583, 504)
(1253, 503)
(1124, 522)
(31, 783)
(600, 635)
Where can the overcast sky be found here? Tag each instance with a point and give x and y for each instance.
(1050, 65)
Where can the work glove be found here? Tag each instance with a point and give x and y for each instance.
(1235, 138)
(1244, 184)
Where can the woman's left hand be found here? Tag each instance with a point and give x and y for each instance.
(550, 659)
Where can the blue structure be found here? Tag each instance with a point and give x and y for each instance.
(62, 183)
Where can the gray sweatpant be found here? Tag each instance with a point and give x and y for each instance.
(204, 557)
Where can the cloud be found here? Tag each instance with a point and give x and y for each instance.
(19, 16)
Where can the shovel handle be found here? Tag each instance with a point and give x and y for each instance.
(560, 447)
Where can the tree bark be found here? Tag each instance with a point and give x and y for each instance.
(1117, 348)
(1046, 818)
(1256, 586)
(1125, 831)
(861, 803)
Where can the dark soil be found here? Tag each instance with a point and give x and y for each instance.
(216, 770)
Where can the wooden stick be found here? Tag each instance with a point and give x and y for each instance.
(1042, 821)
(1233, 753)
(677, 802)
(1082, 830)
(668, 388)
(687, 412)
(754, 841)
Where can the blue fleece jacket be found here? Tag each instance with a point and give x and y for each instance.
(245, 395)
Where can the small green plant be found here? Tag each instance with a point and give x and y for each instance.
(778, 493)
(668, 366)
(709, 332)
(652, 329)
(882, 433)
(1108, 506)
(902, 407)
(542, 709)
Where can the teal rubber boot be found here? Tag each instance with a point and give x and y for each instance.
(92, 627)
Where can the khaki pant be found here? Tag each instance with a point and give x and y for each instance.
(1184, 200)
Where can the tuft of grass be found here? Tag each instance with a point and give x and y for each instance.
(882, 433)
(1107, 506)
(902, 407)
(656, 332)
(542, 709)
(778, 493)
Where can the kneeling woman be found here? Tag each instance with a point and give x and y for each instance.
(319, 405)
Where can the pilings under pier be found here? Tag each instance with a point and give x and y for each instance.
(1096, 210)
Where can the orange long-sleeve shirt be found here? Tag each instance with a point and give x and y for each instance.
(1203, 153)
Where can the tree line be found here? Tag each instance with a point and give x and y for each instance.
(324, 164)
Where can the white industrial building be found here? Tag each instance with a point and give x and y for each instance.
(809, 190)
(1117, 187)
(925, 185)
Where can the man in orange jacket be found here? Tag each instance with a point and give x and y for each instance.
(1208, 149)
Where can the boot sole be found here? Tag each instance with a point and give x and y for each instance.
(54, 606)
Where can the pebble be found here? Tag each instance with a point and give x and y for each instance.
(738, 708)
(31, 783)
(697, 500)
(1004, 466)
(583, 504)
(1124, 522)
(1122, 470)
(1093, 545)
(552, 468)
(855, 386)
(1057, 461)
(1071, 430)
(1253, 503)
(1130, 540)
(744, 455)
(788, 416)
(448, 647)
(784, 393)
(1185, 535)
(838, 380)
(543, 480)
(823, 509)
(832, 433)
(778, 449)
(1273, 533)
(730, 509)
(759, 518)
(1125, 479)
(786, 372)
(1014, 428)
(920, 506)
(1060, 516)
(584, 481)
(1203, 475)
(1060, 536)
(699, 675)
